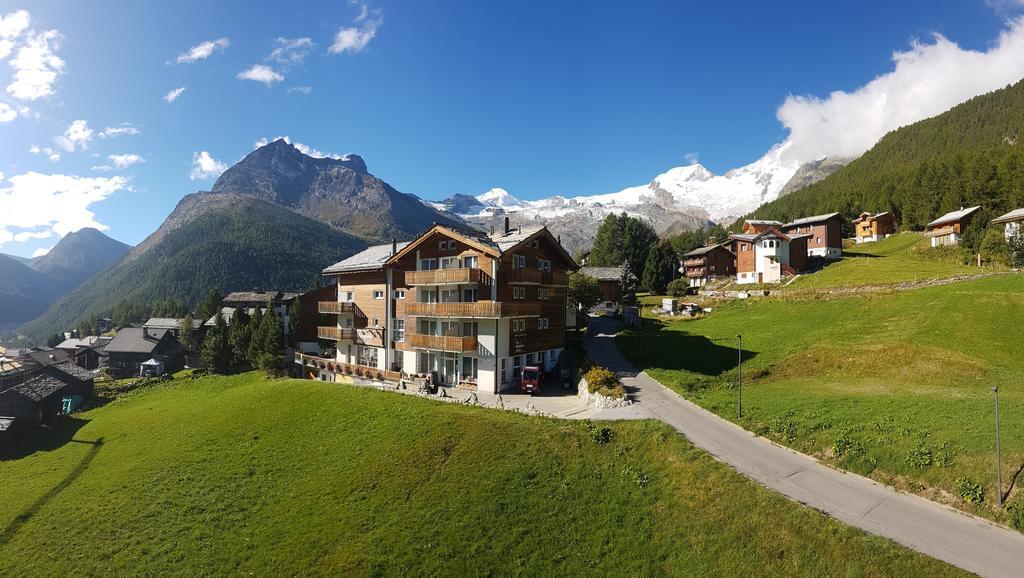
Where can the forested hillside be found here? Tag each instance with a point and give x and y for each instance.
(254, 245)
(970, 155)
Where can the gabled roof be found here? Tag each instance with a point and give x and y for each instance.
(953, 217)
(136, 340)
(369, 259)
(48, 356)
(1011, 217)
(75, 342)
(257, 297)
(772, 232)
(495, 245)
(810, 220)
(705, 250)
(761, 222)
(604, 273)
(169, 323)
(869, 216)
(40, 387)
(59, 370)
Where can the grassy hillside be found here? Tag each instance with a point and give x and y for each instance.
(896, 386)
(241, 475)
(969, 155)
(253, 245)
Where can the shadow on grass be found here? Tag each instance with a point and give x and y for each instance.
(849, 254)
(23, 518)
(654, 347)
(61, 430)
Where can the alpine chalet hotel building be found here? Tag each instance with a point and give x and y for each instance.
(469, 308)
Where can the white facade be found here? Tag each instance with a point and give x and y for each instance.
(1011, 230)
(770, 254)
(826, 252)
(872, 238)
(947, 239)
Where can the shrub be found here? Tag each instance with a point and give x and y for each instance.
(971, 492)
(678, 288)
(1016, 511)
(919, 457)
(844, 445)
(601, 435)
(600, 379)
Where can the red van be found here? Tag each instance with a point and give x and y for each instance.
(531, 380)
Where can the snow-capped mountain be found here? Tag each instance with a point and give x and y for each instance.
(678, 199)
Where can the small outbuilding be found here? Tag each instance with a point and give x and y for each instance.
(151, 368)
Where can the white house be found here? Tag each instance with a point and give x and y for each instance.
(1011, 222)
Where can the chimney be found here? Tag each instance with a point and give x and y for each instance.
(520, 228)
(394, 245)
(492, 229)
(507, 229)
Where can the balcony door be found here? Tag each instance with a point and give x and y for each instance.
(449, 262)
(449, 295)
(469, 262)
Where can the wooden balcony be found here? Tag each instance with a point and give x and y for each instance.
(461, 276)
(554, 278)
(696, 272)
(694, 262)
(440, 342)
(486, 309)
(943, 230)
(516, 276)
(334, 333)
(335, 307)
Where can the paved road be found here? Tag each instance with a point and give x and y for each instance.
(968, 542)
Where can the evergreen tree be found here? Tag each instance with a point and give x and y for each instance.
(606, 250)
(657, 269)
(993, 247)
(271, 360)
(216, 351)
(294, 322)
(54, 340)
(637, 239)
(210, 304)
(188, 335)
(256, 328)
(314, 284)
(239, 333)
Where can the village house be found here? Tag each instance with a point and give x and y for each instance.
(610, 279)
(170, 324)
(758, 226)
(132, 346)
(464, 308)
(705, 264)
(873, 227)
(825, 234)
(1011, 222)
(767, 256)
(948, 229)
(49, 391)
(311, 319)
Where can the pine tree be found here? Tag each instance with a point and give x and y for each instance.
(294, 322)
(216, 351)
(606, 250)
(188, 334)
(238, 336)
(210, 304)
(637, 239)
(272, 352)
(255, 336)
(657, 270)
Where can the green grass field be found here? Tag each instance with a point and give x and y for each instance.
(241, 475)
(896, 386)
(901, 258)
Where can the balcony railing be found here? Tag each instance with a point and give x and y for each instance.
(696, 272)
(697, 262)
(522, 276)
(335, 333)
(362, 371)
(441, 342)
(473, 309)
(334, 307)
(556, 278)
(460, 276)
(943, 230)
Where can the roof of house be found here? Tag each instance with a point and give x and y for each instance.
(870, 216)
(169, 323)
(761, 222)
(75, 342)
(136, 340)
(811, 220)
(603, 273)
(1011, 217)
(953, 216)
(49, 355)
(772, 232)
(40, 387)
(257, 297)
(705, 250)
(72, 370)
(369, 259)
(505, 241)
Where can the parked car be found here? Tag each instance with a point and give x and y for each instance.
(530, 383)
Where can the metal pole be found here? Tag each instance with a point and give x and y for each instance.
(999, 467)
(739, 365)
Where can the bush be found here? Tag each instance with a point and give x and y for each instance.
(971, 492)
(678, 288)
(603, 381)
(919, 457)
(846, 445)
(1016, 511)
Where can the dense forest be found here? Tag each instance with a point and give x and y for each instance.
(258, 246)
(969, 155)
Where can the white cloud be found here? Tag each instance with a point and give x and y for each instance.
(122, 129)
(203, 50)
(26, 235)
(174, 94)
(7, 112)
(11, 26)
(290, 51)
(354, 39)
(205, 167)
(41, 251)
(927, 80)
(36, 66)
(304, 149)
(1005, 6)
(101, 168)
(691, 158)
(76, 136)
(300, 89)
(261, 73)
(51, 154)
(123, 161)
(59, 203)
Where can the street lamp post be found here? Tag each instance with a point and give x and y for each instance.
(999, 467)
(739, 365)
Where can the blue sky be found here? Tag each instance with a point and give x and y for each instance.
(438, 97)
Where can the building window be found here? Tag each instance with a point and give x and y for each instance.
(378, 294)
(518, 325)
(449, 295)
(469, 262)
(449, 262)
(399, 293)
(504, 374)
(517, 366)
(544, 264)
(529, 359)
(398, 330)
(469, 295)
(469, 367)
(543, 323)
(376, 322)
(518, 261)
(446, 245)
(348, 296)
(542, 293)
(428, 264)
(551, 355)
